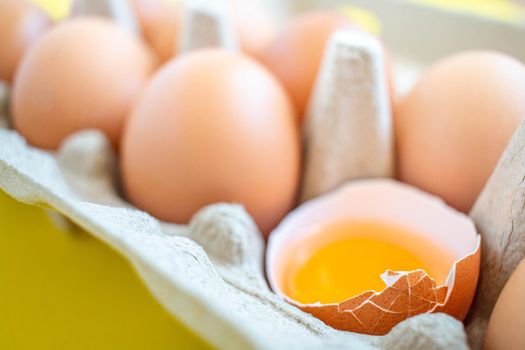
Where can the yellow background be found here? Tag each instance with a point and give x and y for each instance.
(504, 10)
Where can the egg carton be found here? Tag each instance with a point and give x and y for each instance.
(209, 273)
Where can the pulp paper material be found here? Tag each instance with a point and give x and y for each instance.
(118, 10)
(207, 274)
(206, 24)
(3, 105)
(498, 213)
(348, 127)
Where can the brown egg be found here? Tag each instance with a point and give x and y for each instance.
(212, 126)
(160, 21)
(507, 322)
(84, 73)
(21, 24)
(254, 24)
(296, 53)
(454, 125)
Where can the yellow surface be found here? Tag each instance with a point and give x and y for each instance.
(363, 18)
(57, 9)
(351, 262)
(503, 10)
(67, 290)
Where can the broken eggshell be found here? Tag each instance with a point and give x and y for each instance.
(406, 293)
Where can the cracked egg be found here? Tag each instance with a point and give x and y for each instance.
(373, 253)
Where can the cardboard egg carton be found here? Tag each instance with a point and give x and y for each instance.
(209, 273)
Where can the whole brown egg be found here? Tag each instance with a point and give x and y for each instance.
(160, 21)
(21, 24)
(212, 126)
(295, 54)
(507, 321)
(84, 73)
(453, 126)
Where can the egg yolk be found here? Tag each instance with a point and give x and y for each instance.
(343, 260)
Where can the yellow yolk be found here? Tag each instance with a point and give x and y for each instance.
(343, 260)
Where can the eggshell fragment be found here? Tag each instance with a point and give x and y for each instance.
(407, 293)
